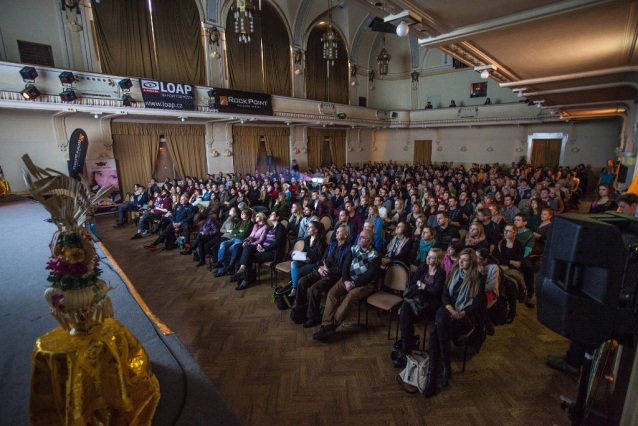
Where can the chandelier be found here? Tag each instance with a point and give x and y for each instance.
(330, 40)
(243, 13)
(383, 59)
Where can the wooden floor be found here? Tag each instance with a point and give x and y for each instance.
(271, 372)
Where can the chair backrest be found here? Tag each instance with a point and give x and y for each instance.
(396, 277)
(462, 233)
(298, 245)
(284, 222)
(327, 222)
(328, 236)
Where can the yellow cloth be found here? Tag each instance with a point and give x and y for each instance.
(5, 189)
(101, 378)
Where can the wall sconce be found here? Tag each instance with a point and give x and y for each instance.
(464, 149)
(304, 150)
(350, 149)
(213, 42)
(353, 75)
(519, 149)
(575, 149)
(360, 149)
(297, 57)
(295, 151)
(214, 153)
(228, 153)
(371, 79)
(490, 149)
(440, 148)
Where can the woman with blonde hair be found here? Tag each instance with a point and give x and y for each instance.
(475, 237)
(421, 300)
(464, 304)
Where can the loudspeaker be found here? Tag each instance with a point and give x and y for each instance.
(586, 286)
(269, 160)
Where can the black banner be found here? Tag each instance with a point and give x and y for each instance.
(164, 95)
(237, 102)
(78, 145)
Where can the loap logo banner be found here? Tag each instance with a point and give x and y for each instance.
(166, 95)
(238, 102)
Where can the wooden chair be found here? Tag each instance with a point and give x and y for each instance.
(328, 236)
(396, 280)
(271, 266)
(286, 266)
(326, 221)
(284, 222)
(463, 341)
(462, 233)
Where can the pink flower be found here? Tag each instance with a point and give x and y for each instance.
(57, 300)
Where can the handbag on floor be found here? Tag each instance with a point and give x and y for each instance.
(281, 297)
(414, 376)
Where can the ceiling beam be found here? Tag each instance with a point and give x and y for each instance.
(564, 77)
(582, 88)
(466, 33)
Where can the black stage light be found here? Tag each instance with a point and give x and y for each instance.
(30, 92)
(341, 116)
(127, 100)
(212, 105)
(28, 73)
(68, 96)
(67, 77)
(125, 84)
(211, 93)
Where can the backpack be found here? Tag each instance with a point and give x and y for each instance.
(414, 376)
(281, 297)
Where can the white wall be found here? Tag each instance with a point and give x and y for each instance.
(36, 21)
(591, 143)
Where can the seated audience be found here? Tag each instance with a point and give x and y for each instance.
(314, 247)
(271, 250)
(421, 300)
(344, 219)
(138, 199)
(308, 216)
(208, 229)
(360, 271)
(475, 238)
(399, 249)
(445, 232)
(463, 308)
(181, 218)
(606, 200)
(161, 206)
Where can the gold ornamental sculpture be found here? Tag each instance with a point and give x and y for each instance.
(77, 296)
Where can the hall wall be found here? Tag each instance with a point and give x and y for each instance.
(33, 133)
(593, 143)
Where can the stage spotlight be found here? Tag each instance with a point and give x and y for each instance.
(127, 100)
(67, 78)
(211, 105)
(28, 73)
(211, 93)
(341, 116)
(125, 84)
(68, 96)
(30, 92)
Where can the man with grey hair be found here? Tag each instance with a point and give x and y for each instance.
(360, 270)
(325, 275)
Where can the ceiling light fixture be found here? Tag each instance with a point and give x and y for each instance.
(243, 13)
(402, 29)
(330, 40)
(383, 59)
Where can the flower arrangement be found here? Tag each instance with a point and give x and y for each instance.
(77, 295)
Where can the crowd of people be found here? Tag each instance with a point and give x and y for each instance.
(470, 238)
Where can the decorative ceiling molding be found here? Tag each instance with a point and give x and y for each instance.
(300, 20)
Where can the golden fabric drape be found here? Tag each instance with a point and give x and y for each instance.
(187, 146)
(178, 39)
(246, 148)
(124, 38)
(338, 147)
(244, 59)
(277, 141)
(276, 48)
(135, 147)
(422, 152)
(104, 377)
(316, 71)
(315, 150)
(546, 152)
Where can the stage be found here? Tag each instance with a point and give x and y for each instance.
(188, 395)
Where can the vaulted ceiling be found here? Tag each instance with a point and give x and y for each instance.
(561, 52)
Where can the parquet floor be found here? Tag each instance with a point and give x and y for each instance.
(270, 371)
